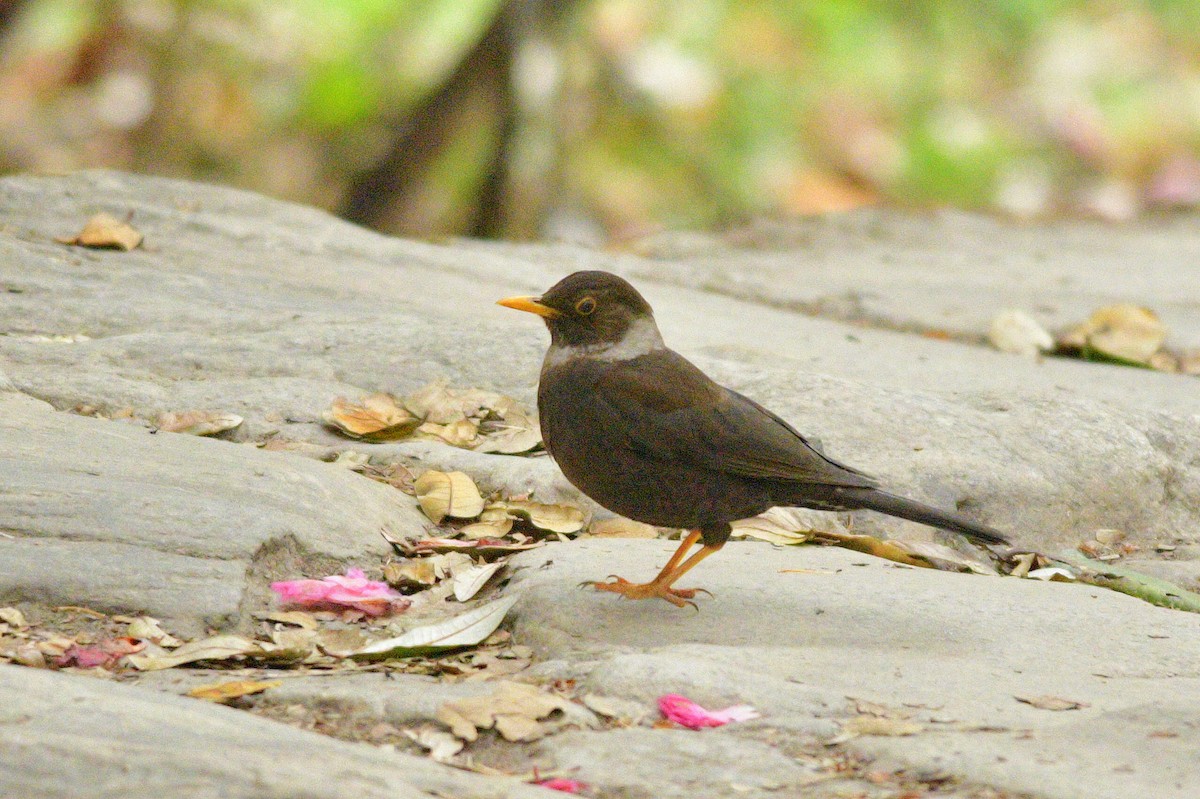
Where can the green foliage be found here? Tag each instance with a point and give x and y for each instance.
(671, 112)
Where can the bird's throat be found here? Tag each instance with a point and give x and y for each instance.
(640, 338)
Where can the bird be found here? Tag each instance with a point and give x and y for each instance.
(645, 433)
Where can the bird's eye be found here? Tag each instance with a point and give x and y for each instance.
(585, 306)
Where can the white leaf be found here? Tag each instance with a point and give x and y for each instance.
(466, 630)
(468, 582)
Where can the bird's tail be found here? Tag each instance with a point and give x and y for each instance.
(892, 505)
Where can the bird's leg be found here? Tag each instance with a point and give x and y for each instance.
(660, 586)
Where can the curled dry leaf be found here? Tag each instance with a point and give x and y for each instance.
(220, 647)
(105, 231)
(1047, 702)
(227, 691)
(1019, 333)
(377, 418)
(441, 745)
(551, 518)
(1123, 332)
(488, 527)
(880, 548)
(486, 548)
(198, 423)
(620, 527)
(876, 725)
(514, 709)
(443, 494)
(1056, 574)
(461, 433)
(469, 581)
(781, 526)
(148, 629)
(467, 629)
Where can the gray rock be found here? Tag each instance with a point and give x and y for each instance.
(246, 305)
(65, 737)
(187, 529)
(801, 632)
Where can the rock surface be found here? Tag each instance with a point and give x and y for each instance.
(245, 305)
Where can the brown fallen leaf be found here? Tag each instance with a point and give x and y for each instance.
(443, 494)
(198, 423)
(227, 691)
(552, 518)
(1047, 702)
(620, 527)
(874, 725)
(148, 629)
(105, 231)
(377, 418)
(1123, 332)
(461, 433)
(514, 709)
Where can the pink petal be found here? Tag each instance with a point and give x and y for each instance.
(562, 784)
(352, 590)
(687, 713)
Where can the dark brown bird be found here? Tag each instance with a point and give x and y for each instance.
(641, 430)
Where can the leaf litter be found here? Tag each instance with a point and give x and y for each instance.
(476, 419)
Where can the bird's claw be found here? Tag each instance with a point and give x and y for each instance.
(679, 597)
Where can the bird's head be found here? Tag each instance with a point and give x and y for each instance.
(590, 309)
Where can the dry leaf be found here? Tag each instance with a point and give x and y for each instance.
(148, 629)
(443, 494)
(486, 548)
(105, 231)
(942, 557)
(873, 546)
(508, 430)
(488, 528)
(467, 629)
(198, 423)
(620, 527)
(1056, 574)
(439, 404)
(297, 618)
(13, 616)
(468, 582)
(1123, 332)
(412, 574)
(220, 647)
(457, 434)
(1047, 702)
(340, 643)
(378, 418)
(227, 691)
(875, 725)
(780, 526)
(625, 711)
(1019, 333)
(552, 518)
(354, 461)
(514, 709)
(441, 745)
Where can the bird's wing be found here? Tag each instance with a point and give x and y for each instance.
(673, 411)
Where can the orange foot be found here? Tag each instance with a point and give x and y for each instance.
(679, 597)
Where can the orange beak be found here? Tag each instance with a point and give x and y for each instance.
(529, 304)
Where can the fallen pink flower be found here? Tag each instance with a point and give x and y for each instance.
(352, 591)
(687, 713)
(562, 784)
(104, 654)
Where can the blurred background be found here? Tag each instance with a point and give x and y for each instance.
(603, 120)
